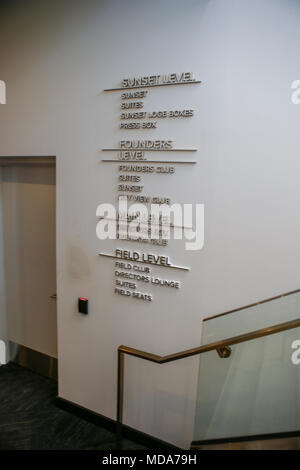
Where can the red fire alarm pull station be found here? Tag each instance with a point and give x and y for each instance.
(83, 305)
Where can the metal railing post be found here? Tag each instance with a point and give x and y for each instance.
(120, 395)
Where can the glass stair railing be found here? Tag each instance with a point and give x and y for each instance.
(254, 391)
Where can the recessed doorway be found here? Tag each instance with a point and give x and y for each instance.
(28, 199)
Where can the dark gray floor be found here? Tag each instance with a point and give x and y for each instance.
(29, 418)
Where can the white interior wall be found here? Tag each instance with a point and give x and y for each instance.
(56, 58)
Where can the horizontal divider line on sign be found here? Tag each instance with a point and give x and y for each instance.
(163, 224)
(144, 262)
(151, 86)
(148, 150)
(147, 161)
